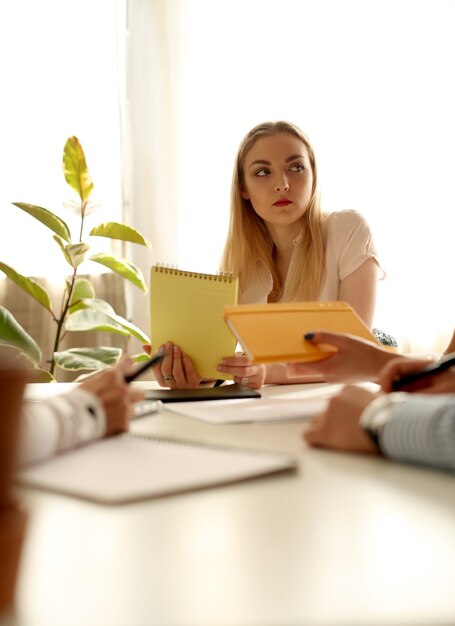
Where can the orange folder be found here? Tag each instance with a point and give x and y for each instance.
(274, 333)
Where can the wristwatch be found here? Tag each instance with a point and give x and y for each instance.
(376, 415)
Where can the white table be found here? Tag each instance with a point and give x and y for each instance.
(347, 540)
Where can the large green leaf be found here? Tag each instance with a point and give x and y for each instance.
(47, 218)
(83, 288)
(75, 169)
(99, 305)
(104, 308)
(122, 267)
(115, 230)
(29, 285)
(87, 358)
(12, 334)
(87, 319)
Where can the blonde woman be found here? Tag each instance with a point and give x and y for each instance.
(283, 248)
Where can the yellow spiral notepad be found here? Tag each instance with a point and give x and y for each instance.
(187, 309)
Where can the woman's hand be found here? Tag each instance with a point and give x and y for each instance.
(338, 426)
(244, 373)
(355, 359)
(176, 370)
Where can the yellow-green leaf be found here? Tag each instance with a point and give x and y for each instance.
(115, 230)
(141, 357)
(120, 266)
(97, 358)
(75, 168)
(38, 375)
(62, 247)
(76, 252)
(12, 334)
(83, 288)
(29, 285)
(99, 305)
(47, 218)
(105, 309)
(94, 320)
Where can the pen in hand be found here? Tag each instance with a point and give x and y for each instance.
(430, 370)
(154, 359)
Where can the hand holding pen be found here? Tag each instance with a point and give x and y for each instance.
(411, 375)
(154, 359)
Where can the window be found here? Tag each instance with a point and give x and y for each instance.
(60, 78)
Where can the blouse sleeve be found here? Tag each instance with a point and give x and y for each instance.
(350, 241)
(59, 423)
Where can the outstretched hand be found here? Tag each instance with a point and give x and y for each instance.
(355, 360)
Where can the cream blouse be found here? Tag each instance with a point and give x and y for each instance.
(348, 243)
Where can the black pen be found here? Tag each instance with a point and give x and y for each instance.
(156, 358)
(430, 370)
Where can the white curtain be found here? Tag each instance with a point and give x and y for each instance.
(371, 84)
(151, 137)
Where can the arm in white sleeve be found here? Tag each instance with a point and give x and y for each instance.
(59, 423)
(421, 430)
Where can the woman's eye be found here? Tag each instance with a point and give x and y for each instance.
(297, 167)
(262, 172)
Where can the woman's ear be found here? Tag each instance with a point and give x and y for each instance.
(245, 195)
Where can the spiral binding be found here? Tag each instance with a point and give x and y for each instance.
(210, 446)
(225, 277)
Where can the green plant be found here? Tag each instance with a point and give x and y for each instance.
(80, 310)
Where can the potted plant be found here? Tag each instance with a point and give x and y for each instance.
(80, 309)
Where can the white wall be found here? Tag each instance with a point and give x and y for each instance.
(372, 85)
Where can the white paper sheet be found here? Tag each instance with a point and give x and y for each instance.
(278, 403)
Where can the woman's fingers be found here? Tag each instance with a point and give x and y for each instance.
(243, 372)
(176, 370)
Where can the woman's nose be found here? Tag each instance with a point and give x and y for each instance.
(282, 184)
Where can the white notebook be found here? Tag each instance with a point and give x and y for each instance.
(127, 468)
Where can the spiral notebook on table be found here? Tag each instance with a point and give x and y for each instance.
(128, 468)
(187, 309)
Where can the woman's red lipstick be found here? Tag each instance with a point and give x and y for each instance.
(282, 202)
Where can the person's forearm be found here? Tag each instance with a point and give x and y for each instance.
(59, 423)
(381, 357)
(422, 431)
(276, 375)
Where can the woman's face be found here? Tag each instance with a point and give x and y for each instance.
(278, 179)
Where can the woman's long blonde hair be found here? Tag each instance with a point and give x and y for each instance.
(249, 241)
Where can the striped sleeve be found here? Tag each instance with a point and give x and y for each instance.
(421, 430)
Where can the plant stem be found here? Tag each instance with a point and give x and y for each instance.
(61, 321)
(83, 207)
